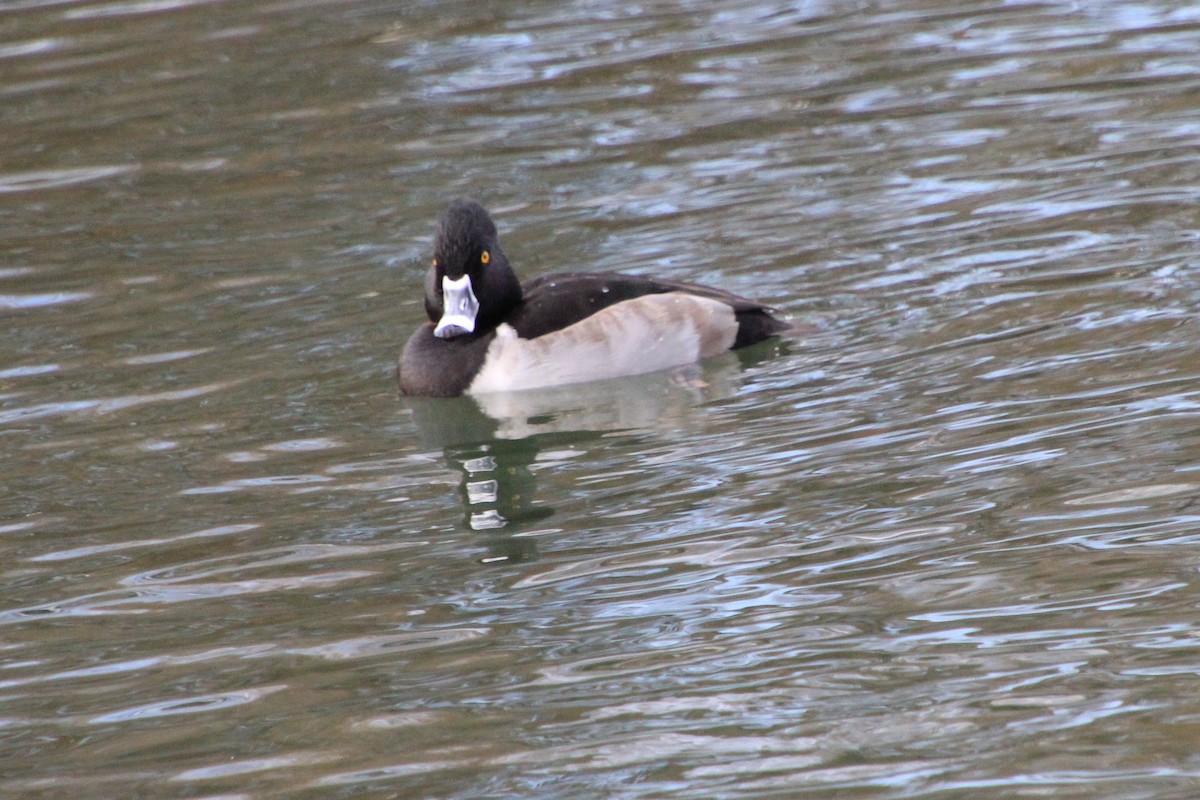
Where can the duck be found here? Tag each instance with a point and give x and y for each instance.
(488, 332)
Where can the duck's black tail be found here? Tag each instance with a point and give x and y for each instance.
(756, 325)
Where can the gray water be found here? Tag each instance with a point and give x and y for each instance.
(943, 545)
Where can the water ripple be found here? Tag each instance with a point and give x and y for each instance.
(253, 560)
(13, 183)
(112, 405)
(198, 704)
(373, 646)
(120, 9)
(246, 766)
(21, 301)
(116, 603)
(113, 547)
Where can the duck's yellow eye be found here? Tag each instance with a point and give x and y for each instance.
(435, 263)
(485, 257)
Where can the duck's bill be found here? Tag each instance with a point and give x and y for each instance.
(460, 307)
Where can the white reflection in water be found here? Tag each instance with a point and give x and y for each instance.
(18, 301)
(199, 704)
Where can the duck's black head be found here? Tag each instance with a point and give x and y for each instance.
(470, 287)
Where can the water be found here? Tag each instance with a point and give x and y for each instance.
(945, 545)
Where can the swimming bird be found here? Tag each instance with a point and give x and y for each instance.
(487, 332)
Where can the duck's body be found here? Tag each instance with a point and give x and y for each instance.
(489, 333)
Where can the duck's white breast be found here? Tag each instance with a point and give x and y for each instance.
(646, 334)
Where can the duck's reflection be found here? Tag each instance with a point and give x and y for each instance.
(497, 487)
(494, 440)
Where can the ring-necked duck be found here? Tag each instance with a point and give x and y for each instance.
(487, 332)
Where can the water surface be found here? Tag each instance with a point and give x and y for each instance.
(944, 545)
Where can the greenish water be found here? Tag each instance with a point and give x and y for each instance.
(945, 545)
